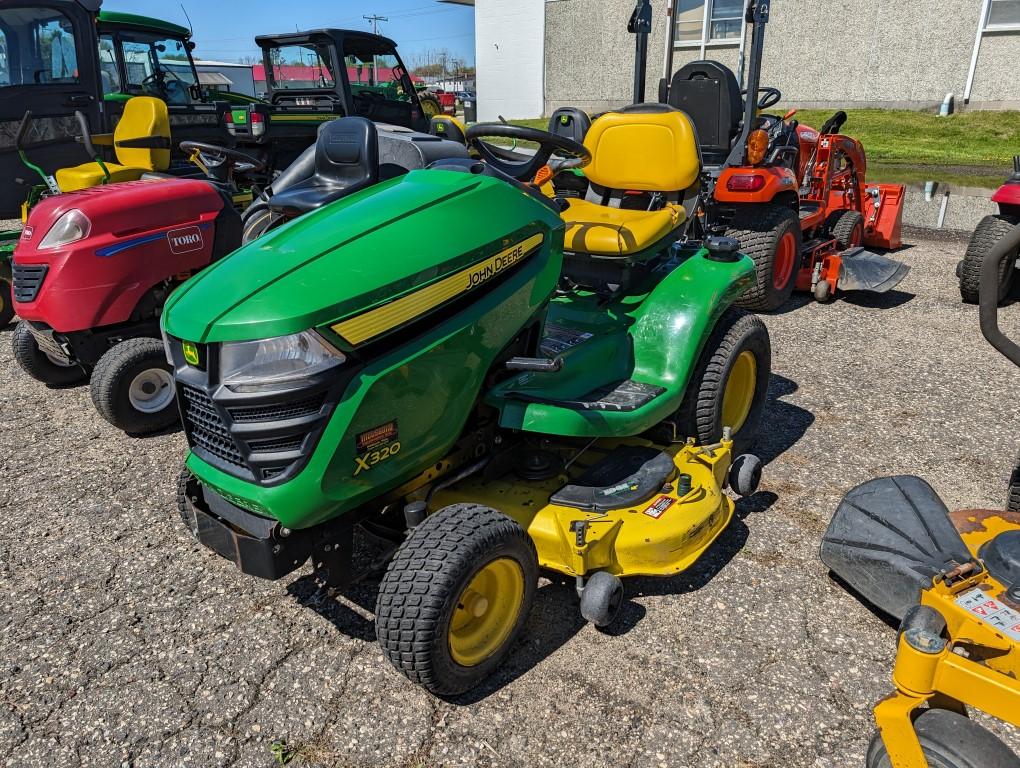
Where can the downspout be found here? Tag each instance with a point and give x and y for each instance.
(743, 48)
(705, 30)
(667, 63)
(977, 50)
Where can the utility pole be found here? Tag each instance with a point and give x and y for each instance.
(375, 22)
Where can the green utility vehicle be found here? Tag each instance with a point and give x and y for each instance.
(316, 76)
(535, 391)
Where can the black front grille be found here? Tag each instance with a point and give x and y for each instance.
(207, 429)
(281, 445)
(298, 409)
(28, 279)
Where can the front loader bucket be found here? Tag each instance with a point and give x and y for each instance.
(883, 215)
(889, 538)
(862, 270)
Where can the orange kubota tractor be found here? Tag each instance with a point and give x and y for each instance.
(794, 197)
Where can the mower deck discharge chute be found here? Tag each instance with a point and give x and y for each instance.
(952, 580)
(489, 405)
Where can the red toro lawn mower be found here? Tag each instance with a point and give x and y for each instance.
(794, 197)
(92, 271)
(990, 231)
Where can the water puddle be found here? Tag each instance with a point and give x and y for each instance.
(937, 197)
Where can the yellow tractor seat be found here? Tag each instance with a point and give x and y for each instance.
(144, 118)
(633, 151)
(605, 231)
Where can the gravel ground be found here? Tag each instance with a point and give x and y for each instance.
(124, 643)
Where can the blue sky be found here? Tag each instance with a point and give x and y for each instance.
(225, 29)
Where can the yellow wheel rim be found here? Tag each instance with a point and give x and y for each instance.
(486, 612)
(739, 393)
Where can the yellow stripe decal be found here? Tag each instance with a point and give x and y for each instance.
(375, 322)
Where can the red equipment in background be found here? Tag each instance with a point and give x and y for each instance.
(989, 232)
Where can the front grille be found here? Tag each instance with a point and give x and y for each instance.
(28, 279)
(309, 406)
(207, 429)
(280, 445)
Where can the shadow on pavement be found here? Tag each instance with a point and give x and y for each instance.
(870, 300)
(783, 423)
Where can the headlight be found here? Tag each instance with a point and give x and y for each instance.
(69, 228)
(253, 366)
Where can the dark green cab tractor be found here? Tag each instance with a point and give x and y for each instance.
(561, 386)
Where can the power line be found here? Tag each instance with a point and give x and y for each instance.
(375, 22)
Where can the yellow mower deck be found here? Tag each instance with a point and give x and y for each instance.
(660, 536)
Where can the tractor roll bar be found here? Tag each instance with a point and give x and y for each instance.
(757, 14)
(988, 295)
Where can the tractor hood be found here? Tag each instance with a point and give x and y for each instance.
(354, 255)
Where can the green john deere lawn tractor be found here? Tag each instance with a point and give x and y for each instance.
(530, 394)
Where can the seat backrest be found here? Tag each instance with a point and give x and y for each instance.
(709, 92)
(570, 123)
(647, 148)
(447, 127)
(347, 152)
(143, 116)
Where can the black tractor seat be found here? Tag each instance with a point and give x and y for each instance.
(710, 95)
(346, 161)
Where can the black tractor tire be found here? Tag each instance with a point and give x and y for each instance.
(761, 229)
(425, 582)
(1013, 494)
(846, 228)
(6, 304)
(950, 740)
(701, 413)
(36, 364)
(129, 380)
(601, 599)
(258, 220)
(986, 236)
(430, 106)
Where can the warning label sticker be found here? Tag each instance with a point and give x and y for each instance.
(558, 339)
(1003, 618)
(658, 507)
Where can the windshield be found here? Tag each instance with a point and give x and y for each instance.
(37, 47)
(158, 66)
(301, 66)
(373, 67)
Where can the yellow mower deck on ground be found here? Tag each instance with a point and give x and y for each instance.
(978, 667)
(661, 536)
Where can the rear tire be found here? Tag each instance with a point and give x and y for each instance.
(258, 220)
(989, 231)
(41, 366)
(771, 236)
(950, 740)
(133, 388)
(431, 626)
(846, 228)
(715, 389)
(6, 304)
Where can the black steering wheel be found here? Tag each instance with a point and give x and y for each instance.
(220, 162)
(768, 97)
(570, 153)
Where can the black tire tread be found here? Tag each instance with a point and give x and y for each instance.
(426, 568)
(755, 227)
(950, 740)
(37, 365)
(1013, 494)
(6, 304)
(986, 235)
(108, 374)
(841, 227)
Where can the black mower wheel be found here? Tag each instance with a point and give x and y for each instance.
(771, 236)
(986, 236)
(6, 304)
(846, 228)
(42, 367)
(258, 220)
(1013, 494)
(601, 599)
(730, 382)
(456, 596)
(133, 387)
(950, 740)
(744, 475)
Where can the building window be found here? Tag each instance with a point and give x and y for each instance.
(1003, 14)
(725, 20)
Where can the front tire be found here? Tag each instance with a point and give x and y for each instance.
(455, 597)
(430, 107)
(986, 236)
(133, 387)
(771, 236)
(950, 740)
(6, 304)
(730, 384)
(49, 369)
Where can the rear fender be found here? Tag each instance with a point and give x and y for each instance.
(776, 181)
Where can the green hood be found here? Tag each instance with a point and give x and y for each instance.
(353, 255)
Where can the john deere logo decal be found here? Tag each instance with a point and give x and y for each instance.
(185, 240)
(190, 353)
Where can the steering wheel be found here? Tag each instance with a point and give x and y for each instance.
(769, 97)
(220, 162)
(572, 154)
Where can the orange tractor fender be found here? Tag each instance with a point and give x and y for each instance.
(755, 185)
